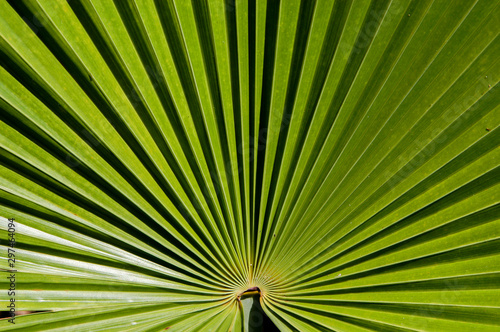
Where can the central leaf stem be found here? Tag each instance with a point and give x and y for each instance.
(249, 290)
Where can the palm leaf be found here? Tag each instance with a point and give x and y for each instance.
(339, 159)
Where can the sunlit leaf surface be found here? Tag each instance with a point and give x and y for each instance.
(339, 158)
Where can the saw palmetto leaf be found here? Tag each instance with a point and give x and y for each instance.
(214, 165)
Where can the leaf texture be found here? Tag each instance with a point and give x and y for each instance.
(161, 158)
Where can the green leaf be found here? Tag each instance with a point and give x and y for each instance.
(233, 165)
